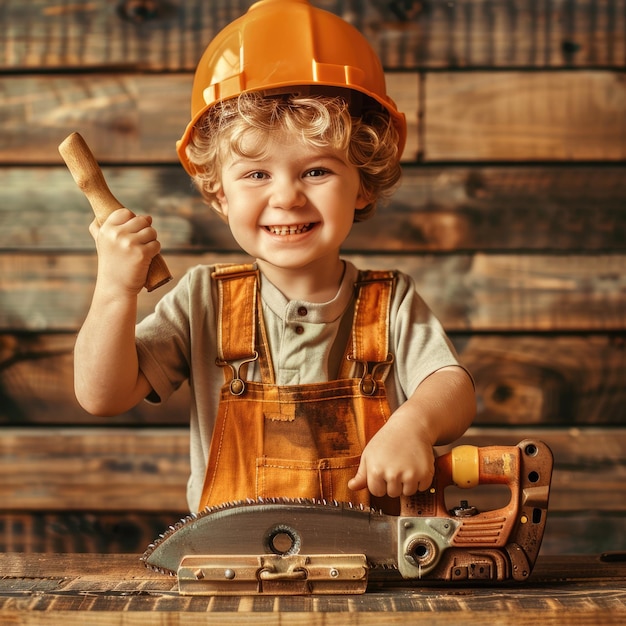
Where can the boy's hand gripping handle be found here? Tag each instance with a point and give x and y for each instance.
(89, 178)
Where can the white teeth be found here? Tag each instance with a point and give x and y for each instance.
(289, 230)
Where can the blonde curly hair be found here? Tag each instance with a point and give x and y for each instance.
(368, 140)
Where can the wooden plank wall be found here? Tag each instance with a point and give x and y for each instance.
(511, 218)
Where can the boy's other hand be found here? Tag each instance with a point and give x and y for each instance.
(397, 461)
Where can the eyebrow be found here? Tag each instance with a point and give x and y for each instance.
(251, 159)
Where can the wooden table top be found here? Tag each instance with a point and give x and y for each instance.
(63, 589)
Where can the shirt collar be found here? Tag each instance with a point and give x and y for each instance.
(316, 312)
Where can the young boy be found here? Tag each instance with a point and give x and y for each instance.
(308, 377)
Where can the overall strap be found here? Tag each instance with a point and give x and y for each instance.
(369, 343)
(238, 322)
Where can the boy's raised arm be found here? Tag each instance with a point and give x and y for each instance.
(107, 378)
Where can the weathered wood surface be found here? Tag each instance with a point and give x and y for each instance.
(123, 117)
(170, 36)
(118, 532)
(521, 379)
(116, 589)
(477, 292)
(94, 469)
(147, 469)
(566, 380)
(511, 218)
(578, 208)
(475, 116)
(524, 116)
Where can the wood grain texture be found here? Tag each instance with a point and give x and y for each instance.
(410, 34)
(93, 532)
(112, 112)
(474, 116)
(522, 379)
(116, 589)
(477, 292)
(124, 117)
(123, 469)
(522, 116)
(95, 469)
(566, 207)
(511, 219)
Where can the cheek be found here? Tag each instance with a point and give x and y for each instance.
(241, 220)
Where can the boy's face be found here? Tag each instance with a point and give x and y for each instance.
(292, 207)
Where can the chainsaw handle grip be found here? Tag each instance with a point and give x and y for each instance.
(465, 466)
(526, 469)
(88, 176)
(468, 466)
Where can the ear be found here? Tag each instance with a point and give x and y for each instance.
(221, 204)
(362, 200)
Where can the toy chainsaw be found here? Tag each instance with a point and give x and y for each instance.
(285, 546)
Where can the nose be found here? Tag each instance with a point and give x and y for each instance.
(286, 194)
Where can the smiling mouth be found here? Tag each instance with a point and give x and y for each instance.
(295, 229)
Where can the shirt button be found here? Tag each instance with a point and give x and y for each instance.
(302, 311)
(299, 330)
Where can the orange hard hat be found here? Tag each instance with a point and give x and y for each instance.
(280, 44)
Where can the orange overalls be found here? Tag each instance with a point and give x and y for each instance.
(296, 441)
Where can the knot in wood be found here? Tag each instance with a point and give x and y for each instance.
(139, 11)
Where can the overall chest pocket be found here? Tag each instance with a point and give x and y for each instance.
(322, 479)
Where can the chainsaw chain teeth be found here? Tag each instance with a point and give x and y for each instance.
(192, 517)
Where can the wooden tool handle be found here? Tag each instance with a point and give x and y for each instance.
(89, 178)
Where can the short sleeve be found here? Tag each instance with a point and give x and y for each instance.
(419, 340)
(163, 338)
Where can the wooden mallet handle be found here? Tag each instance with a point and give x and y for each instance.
(89, 178)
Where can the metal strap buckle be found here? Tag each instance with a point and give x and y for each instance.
(369, 371)
(237, 384)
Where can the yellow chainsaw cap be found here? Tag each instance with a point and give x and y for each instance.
(282, 44)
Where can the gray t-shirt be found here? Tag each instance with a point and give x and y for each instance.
(307, 342)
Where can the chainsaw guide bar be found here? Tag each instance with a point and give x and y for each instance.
(284, 546)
